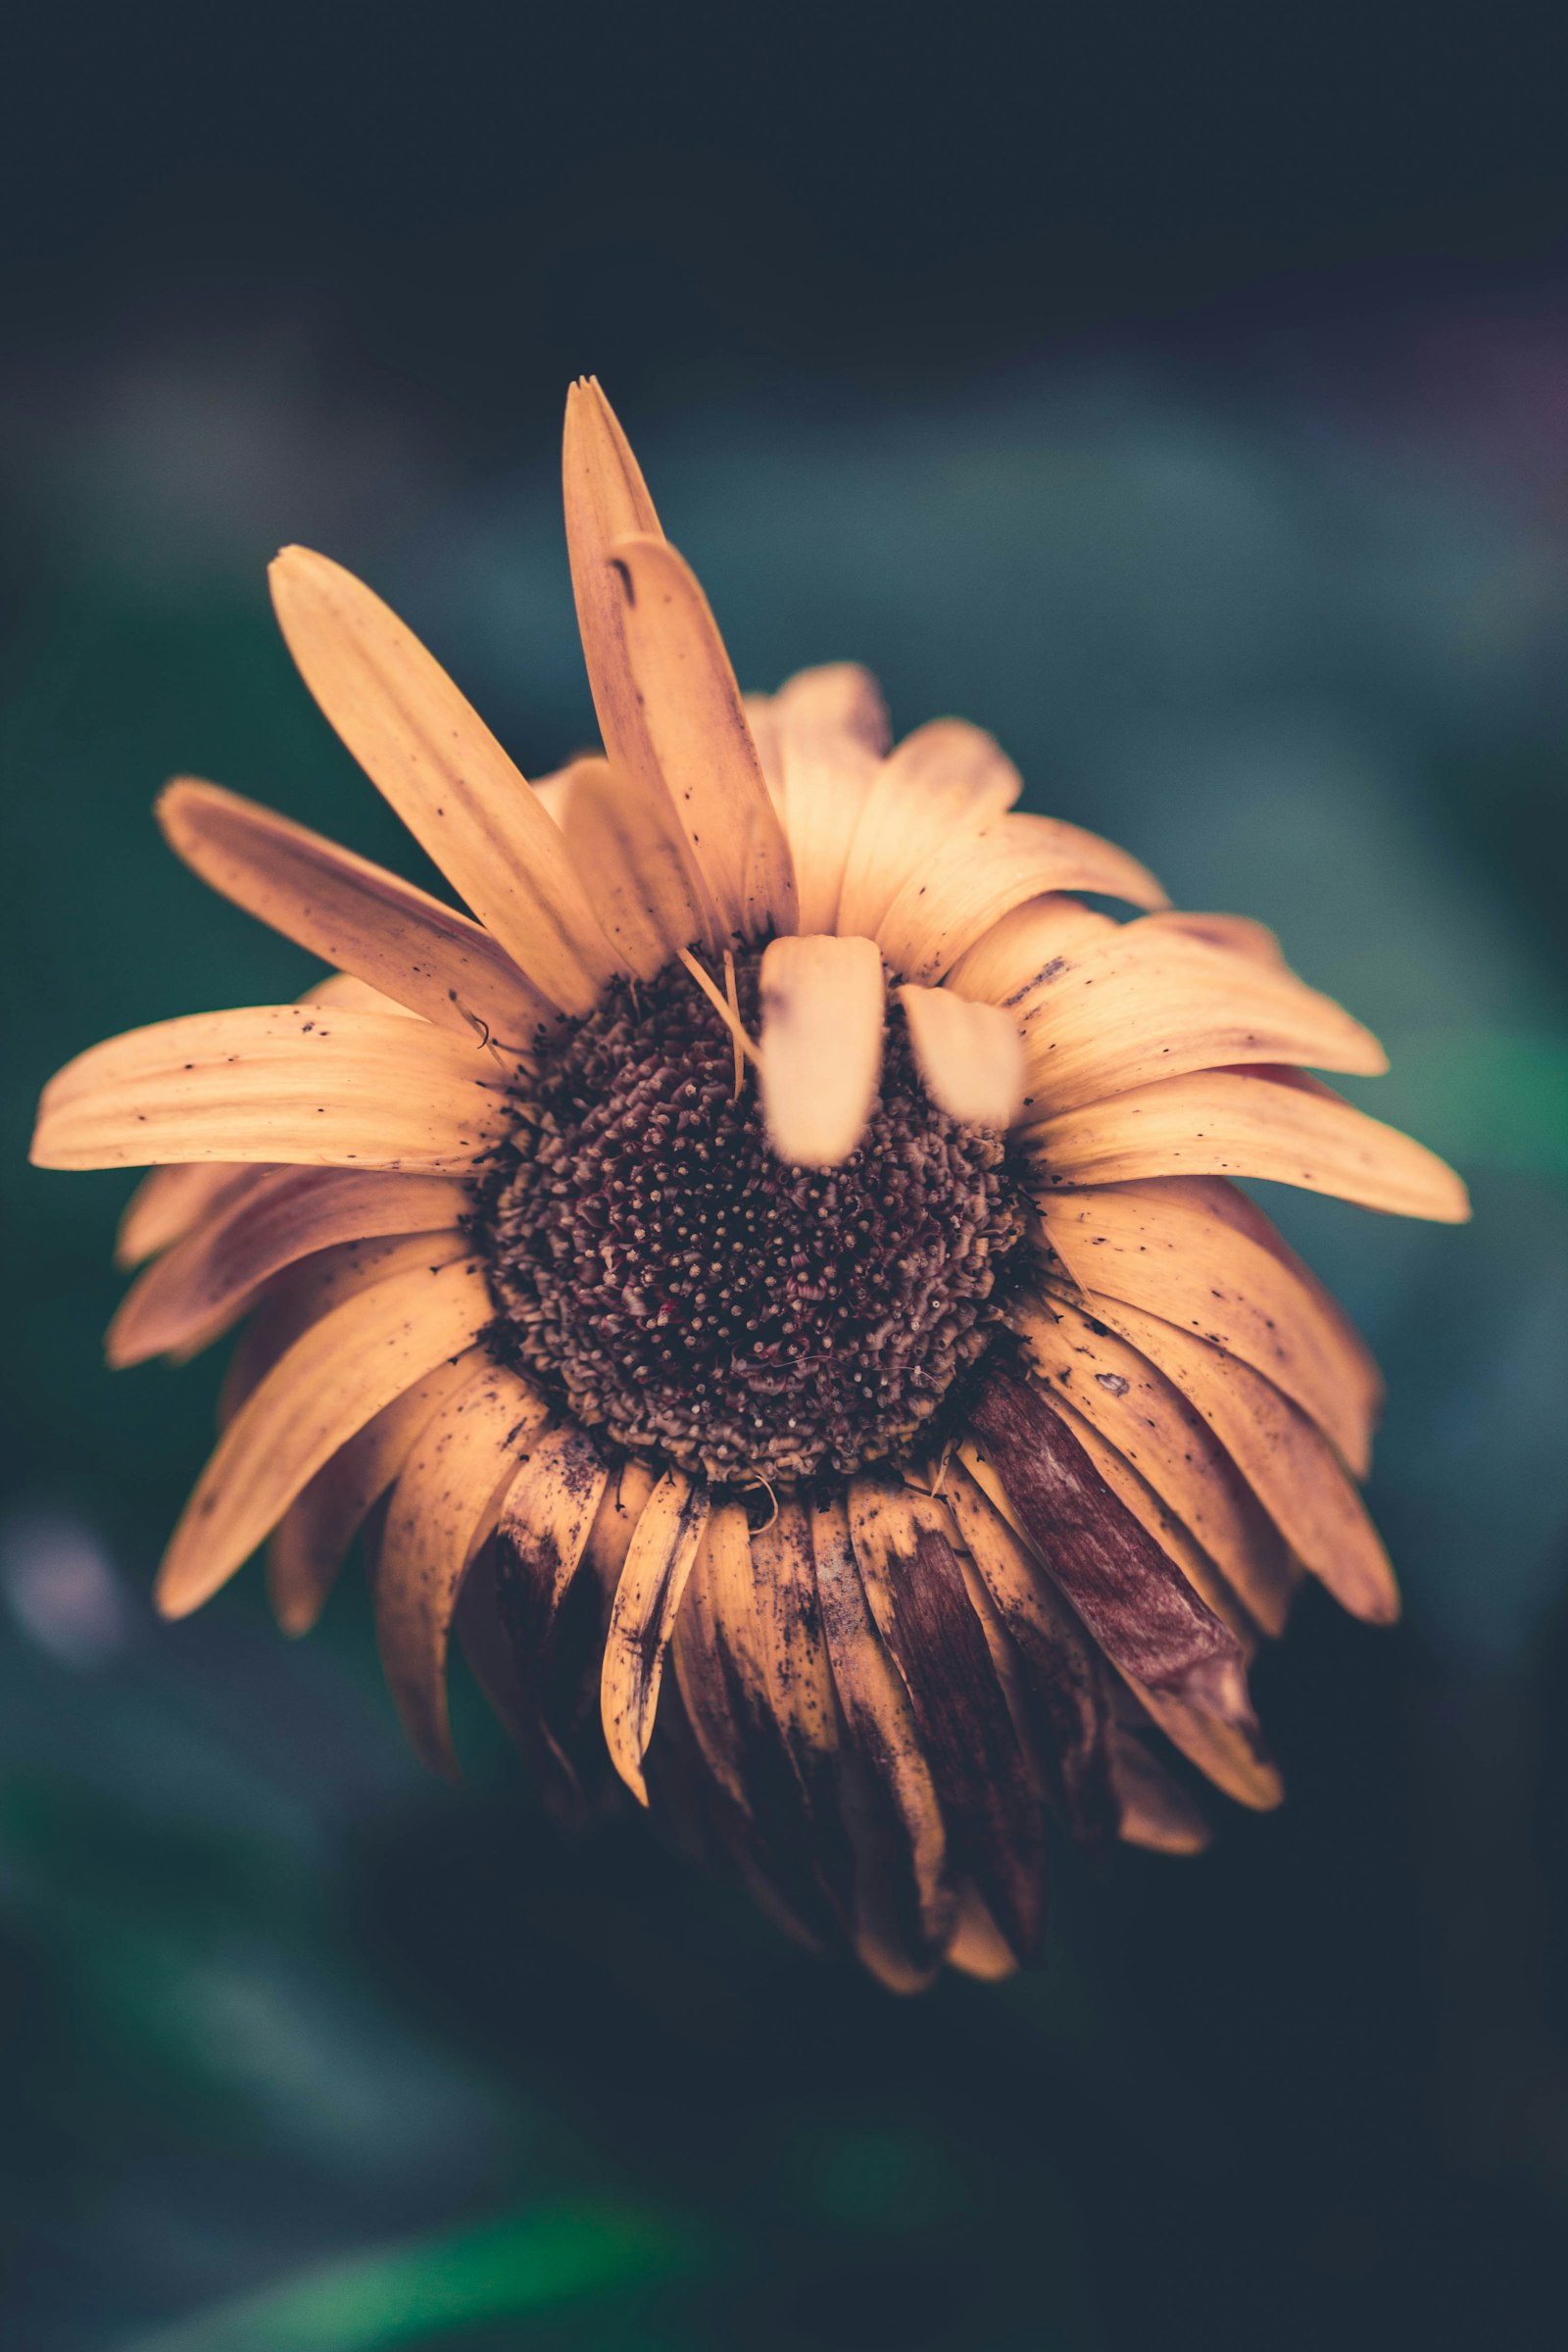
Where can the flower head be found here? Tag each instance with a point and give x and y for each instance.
(769, 1276)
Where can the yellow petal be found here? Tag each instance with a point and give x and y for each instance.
(633, 863)
(1289, 1465)
(822, 1010)
(168, 1203)
(1151, 1428)
(1159, 1250)
(205, 1282)
(977, 877)
(325, 1388)
(1006, 961)
(944, 781)
(829, 727)
(685, 729)
(443, 1507)
(969, 1056)
(282, 1083)
(445, 775)
(1222, 1122)
(658, 1561)
(1144, 1004)
(306, 1547)
(352, 913)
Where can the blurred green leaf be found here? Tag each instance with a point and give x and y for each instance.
(521, 2265)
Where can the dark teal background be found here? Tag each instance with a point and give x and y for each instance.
(1184, 395)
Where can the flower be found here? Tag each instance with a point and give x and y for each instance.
(771, 1279)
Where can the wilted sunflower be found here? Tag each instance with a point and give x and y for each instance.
(771, 1277)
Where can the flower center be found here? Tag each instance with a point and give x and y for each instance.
(660, 1271)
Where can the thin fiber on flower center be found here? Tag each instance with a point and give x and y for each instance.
(684, 1289)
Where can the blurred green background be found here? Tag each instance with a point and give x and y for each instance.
(1188, 402)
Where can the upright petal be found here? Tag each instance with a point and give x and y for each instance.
(352, 914)
(969, 1056)
(822, 1011)
(445, 775)
(685, 728)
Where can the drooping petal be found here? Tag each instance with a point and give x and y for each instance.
(1126, 1589)
(624, 845)
(1023, 949)
(822, 1010)
(685, 729)
(969, 1056)
(953, 900)
(905, 1896)
(1067, 1679)
(1165, 1441)
(443, 1507)
(352, 913)
(1289, 1464)
(904, 1547)
(1222, 1122)
(829, 732)
(1143, 1003)
(1158, 1250)
(658, 1561)
(308, 1546)
(944, 781)
(284, 1083)
(325, 1388)
(1230, 1753)
(437, 763)
(202, 1285)
(546, 1517)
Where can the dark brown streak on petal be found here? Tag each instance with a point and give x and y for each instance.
(1128, 1592)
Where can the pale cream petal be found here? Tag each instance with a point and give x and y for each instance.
(633, 863)
(1156, 1250)
(829, 731)
(970, 1055)
(443, 1507)
(280, 1083)
(1289, 1464)
(685, 730)
(445, 775)
(1239, 933)
(945, 780)
(1225, 1123)
(352, 913)
(1006, 961)
(1146, 1004)
(201, 1286)
(822, 1014)
(325, 1388)
(168, 1203)
(1152, 1427)
(658, 1561)
(306, 1547)
(974, 878)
